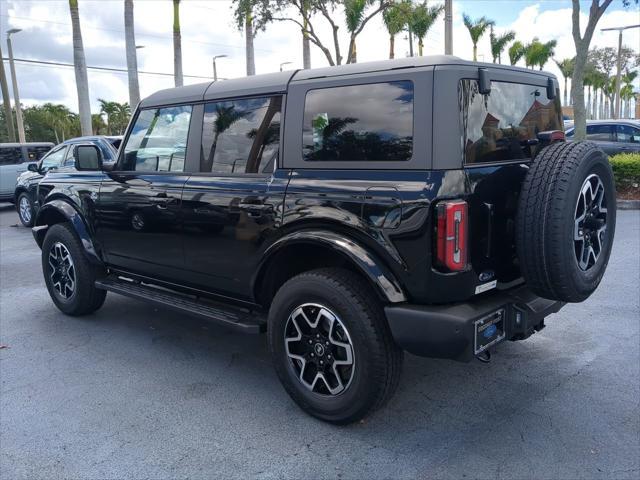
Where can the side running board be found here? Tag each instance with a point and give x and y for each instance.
(235, 318)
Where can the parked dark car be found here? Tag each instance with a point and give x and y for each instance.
(15, 159)
(426, 204)
(612, 136)
(25, 192)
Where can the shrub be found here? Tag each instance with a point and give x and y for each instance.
(626, 170)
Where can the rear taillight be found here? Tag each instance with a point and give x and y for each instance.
(451, 235)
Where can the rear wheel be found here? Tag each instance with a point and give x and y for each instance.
(331, 346)
(68, 274)
(25, 210)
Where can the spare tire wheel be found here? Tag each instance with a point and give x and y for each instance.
(566, 221)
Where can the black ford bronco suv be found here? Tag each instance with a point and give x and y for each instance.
(425, 204)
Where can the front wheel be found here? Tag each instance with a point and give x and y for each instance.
(68, 274)
(331, 346)
(26, 212)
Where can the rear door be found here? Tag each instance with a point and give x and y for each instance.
(628, 138)
(231, 203)
(604, 136)
(138, 211)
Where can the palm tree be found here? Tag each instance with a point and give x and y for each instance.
(110, 109)
(226, 116)
(422, 19)
(598, 81)
(122, 115)
(627, 79)
(80, 67)
(566, 69)
(537, 53)
(98, 125)
(477, 28)
(395, 19)
(130, 46)
(499, 43)
(589, 78)
(516, 52)
(177, 45)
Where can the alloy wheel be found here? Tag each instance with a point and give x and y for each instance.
(25, 209)
(320, 350)
(62, 271)
(590, 223)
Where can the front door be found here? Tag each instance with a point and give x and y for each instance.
(231, 205)
(138, 213)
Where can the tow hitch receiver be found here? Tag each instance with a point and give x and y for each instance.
(489, 330)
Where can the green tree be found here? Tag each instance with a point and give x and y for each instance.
(309, 11)
(566, 69)
(477, 28)
(395, 19)
(251, 17)
(516, 52)
(499, 43)
(109, 109)
(422, 19)
(537, 53)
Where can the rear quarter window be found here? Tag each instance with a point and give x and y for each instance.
(358, 123)
(503, 125)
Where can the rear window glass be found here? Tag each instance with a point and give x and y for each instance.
(504, 124)
(600, 133)
(359, 123)
(36, 153)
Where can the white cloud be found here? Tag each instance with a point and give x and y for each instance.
(208, 29)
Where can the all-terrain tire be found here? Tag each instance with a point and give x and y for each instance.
(549, 235)
(377, 360)
(84, 297)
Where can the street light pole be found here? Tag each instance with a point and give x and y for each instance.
(616, 113)
(215, 70)
(14, 81)
(448, 27)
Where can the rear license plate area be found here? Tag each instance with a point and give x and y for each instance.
(489, 330)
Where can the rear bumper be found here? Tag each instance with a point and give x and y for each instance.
(448, 331)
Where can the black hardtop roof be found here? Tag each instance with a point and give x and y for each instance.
(278, 82)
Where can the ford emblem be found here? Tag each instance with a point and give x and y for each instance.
(486, 275)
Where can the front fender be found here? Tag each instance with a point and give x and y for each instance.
(365, 262)
(57, 211)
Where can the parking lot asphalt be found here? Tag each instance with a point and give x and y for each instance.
(138, 392)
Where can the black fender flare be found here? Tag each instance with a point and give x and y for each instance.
(379, 275)
(57, 208)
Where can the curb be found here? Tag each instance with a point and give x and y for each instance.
(628, 204)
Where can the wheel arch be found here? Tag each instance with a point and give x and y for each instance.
(316, 249)
(60, 211)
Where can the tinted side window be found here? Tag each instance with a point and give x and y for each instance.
(158, 140)
(600, 133)
(358, 123)
(240, 136)
(628, 134)
(497, 127)
(10, 155)
(36, 153)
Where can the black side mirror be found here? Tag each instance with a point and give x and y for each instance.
(87, 157)
(484, 81)
(32, 167)
(551, 89)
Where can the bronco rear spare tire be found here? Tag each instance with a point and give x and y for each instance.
(566, 221)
